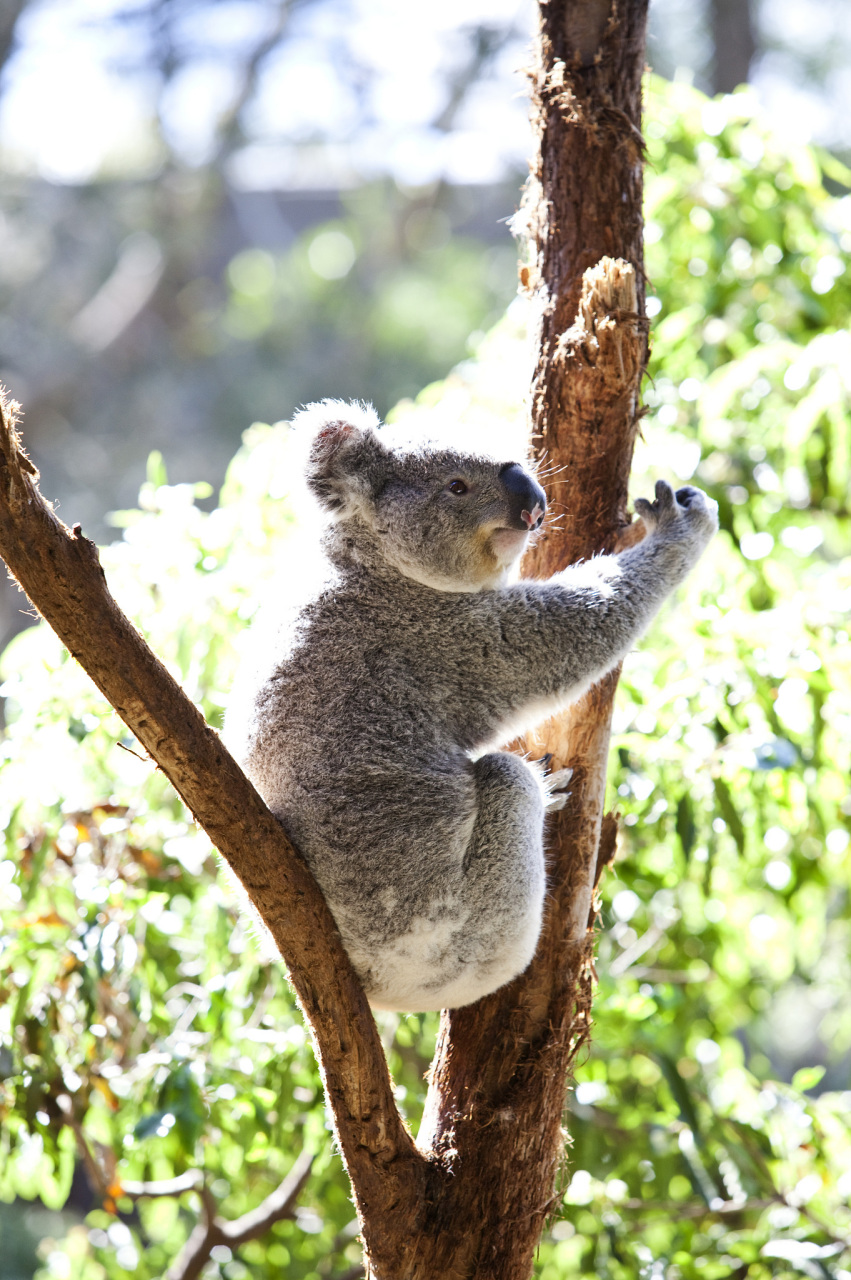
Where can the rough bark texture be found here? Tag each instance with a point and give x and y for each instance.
(470, 1203)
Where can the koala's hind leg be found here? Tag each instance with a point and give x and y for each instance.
(503, 867)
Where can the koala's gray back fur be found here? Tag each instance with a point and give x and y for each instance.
(368, 711)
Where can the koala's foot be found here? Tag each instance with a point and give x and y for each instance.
(556, 784)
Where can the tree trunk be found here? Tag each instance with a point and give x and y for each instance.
(470, 1201)
(494, 1110)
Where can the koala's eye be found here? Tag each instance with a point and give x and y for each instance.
(458, 487)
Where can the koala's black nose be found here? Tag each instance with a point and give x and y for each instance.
(526, 497)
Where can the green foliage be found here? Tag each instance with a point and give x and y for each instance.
(141, 1033)
(711, 1121)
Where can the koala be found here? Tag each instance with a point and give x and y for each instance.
(369, 711)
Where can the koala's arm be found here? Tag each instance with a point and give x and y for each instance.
(571, 630)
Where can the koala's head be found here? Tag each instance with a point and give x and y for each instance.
(450, 519)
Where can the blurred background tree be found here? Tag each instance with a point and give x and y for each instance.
(284, 202)
(215, 210)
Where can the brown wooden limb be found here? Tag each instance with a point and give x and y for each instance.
(608, 845)
(228, 130)
(583, 198)
(61, 573)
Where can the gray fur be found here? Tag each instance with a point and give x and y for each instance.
(369, 712)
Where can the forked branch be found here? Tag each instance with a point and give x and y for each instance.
(60, 571)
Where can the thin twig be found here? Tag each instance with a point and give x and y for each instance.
(211, 1229)
(190, 1181)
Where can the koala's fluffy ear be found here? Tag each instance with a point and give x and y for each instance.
(345, 461)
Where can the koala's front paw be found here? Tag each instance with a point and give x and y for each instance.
(688, 513)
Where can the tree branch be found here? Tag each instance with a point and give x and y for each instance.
(61, 573)
(10, 11)
(502, 1064)
(277, 1205)
(190, 1181)
(228, 128)
(212, 1230)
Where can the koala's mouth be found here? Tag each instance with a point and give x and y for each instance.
(508, 543)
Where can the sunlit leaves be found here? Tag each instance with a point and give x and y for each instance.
(733, 736)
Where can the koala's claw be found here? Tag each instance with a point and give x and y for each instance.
(559, 778)
(664, 505)
(556, 782)
(664, 496)
(688, 514)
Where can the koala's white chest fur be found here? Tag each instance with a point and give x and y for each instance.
(361, 720)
